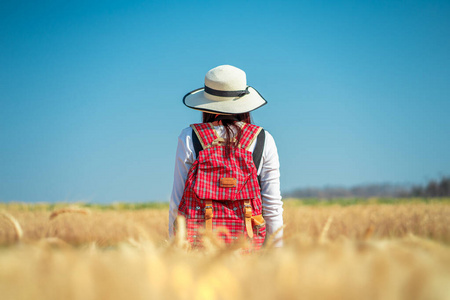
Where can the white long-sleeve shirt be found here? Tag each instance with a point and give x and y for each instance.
(269, 170)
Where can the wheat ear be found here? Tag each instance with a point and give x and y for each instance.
(15, 223)
(369, 232)
(324, 233)
(180, 237)
(271, 239)
(77, 210)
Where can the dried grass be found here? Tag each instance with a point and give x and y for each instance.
(65, 210)
(331, 252)
(15, 224)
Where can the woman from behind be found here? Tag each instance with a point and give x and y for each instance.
(227, 177)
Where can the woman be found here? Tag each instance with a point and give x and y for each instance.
(226, 102)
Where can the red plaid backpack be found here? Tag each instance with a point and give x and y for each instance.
(222, 193)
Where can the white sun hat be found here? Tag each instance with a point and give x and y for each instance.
(225, 92)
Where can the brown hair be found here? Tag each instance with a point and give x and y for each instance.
(229, 122)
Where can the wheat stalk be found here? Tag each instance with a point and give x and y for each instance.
(324, 233)
(369, 232)
(180, 238)
(143, 236)
(77, 210)
(271, 241)
(55, 242)
(15, 223)
(211, 240)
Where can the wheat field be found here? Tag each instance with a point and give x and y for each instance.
(361, 251)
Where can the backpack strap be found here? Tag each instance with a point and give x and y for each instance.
(198, 146)
(248, 218)
(249, 134)
(205, 133)
(259, 148)
(209, 215)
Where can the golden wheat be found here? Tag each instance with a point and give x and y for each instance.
(16, 225)
(60, 211)
(372, 251)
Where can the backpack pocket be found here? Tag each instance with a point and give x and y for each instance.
(220, 178)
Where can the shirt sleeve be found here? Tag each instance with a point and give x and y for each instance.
(184, 159)
(270, 190)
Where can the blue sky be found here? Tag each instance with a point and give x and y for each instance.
(90, 93)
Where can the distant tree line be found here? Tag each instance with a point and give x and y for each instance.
(434, 188)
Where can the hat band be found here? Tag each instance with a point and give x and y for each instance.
(226, 93)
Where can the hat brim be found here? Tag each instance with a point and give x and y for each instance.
(239, 105)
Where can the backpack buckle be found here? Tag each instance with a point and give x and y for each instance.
(208, 212)
(248, 218)
(208, 216)
(248, 211)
